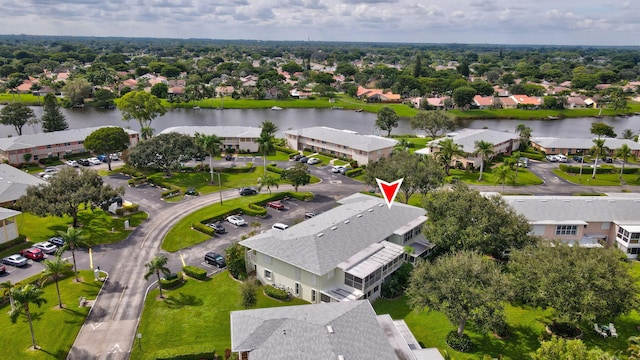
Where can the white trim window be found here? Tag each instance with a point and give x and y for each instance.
(297, 289)
(268, 274)
(313, 296)
(566, 230)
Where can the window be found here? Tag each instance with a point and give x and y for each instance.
(564, 230)
(297, 289)
(353, 281)
(375, 289)
(267, 274)
(313, 295)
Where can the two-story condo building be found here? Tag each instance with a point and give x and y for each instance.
(341, 143)
(238, 138)
(342, 254)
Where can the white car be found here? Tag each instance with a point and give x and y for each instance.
(94, 161)
(552, 158)
(561, 158)
(339, 169)
(236, 220)
(72, 163)
(48, 171)
(46, 247)
(313, 161)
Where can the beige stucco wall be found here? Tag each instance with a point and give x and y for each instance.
(8, 230)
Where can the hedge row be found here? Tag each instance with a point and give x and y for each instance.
(286, 150)
(170, 193)
(255, 210)
(195, 272)
(532, 155)
(187, 352)
(275, 169)
(354, 172)
(127, 209)
(276, 293)
(203, 228)
(171, 283)
(600, 170)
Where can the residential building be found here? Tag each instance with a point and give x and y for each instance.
(527, 101)
(14, 183)
(503, 143)
(344, 144)
(590, 221)
(483, 102)
(566, 146)
(347, 331)
(238, 138)
(52, 144)
(507, 103)
(341, 255)
(8, 225)
(377, 95)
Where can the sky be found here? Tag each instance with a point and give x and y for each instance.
(551, 22)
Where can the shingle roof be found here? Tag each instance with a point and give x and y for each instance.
(221, 131)
(582, 143)
(467, 138)
(345, 137)
(50, 138)
(7, 213)
(302, 332)
(14, 182)
(554, 209)
(319, 244)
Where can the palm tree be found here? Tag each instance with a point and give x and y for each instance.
(524, 132)
(268, 181)
(72, 240)
(502, 173)
(598, 150)
(514, 160)
(448, 151)
(22, 297)
(54, 270)
(211, 145)
(156, 266)
(484, 149)
(269, 128)
(634, 347)
(6, 290)
(266, 146)
(628, 134)
(146, 132)
(623, 152)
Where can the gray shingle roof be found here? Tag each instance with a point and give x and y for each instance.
(50, 138)
(301, 333)
(553, 209)
(345, 137)
(467, 138)
(14, 182)
(7, 213)
(319, 244)
(582, 143)
(221, 131)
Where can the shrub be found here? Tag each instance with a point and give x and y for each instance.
(171, 283)
(586, 169)
(532, 155)
(302, 196)
(203, 228)
(187, 352)
(248, 289)
(237, 170)
(137, 180)
(195, 272)
(170, 193)
(460, 343)
(275, 169)
(354, 172)
(255, 210)
(286, 150)
(398, 282)
(49, 160)
(275, 293)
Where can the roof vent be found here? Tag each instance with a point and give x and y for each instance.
(334, 228)
(320, 234)
(340, 357)
(347, 221)
(370, 210)
(330, 329)
(359, 215)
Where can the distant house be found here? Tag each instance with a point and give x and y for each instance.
(507, 103)
(344, 144)
(525, 100)
(14, 183)
(52, 144)
(503, 143)
(483, 102)
(8, 225)
(340, 331)
(566, 146)
(591, 221)
(224, 90)
(377, 95)
(299, 94)
(232, 137)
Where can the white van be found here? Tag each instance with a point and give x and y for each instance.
(561, 158)
(280, 226)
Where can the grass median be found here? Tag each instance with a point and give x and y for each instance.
(600, 180)
(525, 177)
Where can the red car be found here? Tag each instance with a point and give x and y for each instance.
(276, 205)
(32, 253)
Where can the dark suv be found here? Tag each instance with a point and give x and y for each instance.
(219, 229)
(215, 259)
(247, 191)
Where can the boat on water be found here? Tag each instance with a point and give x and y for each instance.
(276, 108)
(337, 108)
(359, 110)
(552, 117)
(196, 108)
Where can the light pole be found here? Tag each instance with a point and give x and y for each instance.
(219, 184)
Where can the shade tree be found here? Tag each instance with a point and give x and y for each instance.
(142, 107)
(165, 152)
(434, 123)
(17, 115)
(107, 140)
(387, 119)
(298, 175)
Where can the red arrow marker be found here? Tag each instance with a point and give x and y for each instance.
(389, 190)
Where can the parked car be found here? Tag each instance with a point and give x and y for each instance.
(114, 157)
(102, 158)
(607, 160)
(57, 241)
(313, 161)
(49, 170)
(217, 227)
(248, 191)
(339, 169)
(46, 247)
(199, 157)
(84, 162)
(577, 158)
(280, 226)
(236, 220)
(32, 253)
(228, 157)
(215, 259)
(15, 260)
(303, 159)
(523, 162)
(191, 191)
(309, 215)
(276, 205)
(561, 158)
(72, 163)
(552, 158)
(296, 157)
(94, 161)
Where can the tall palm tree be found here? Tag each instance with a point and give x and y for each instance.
(623, 152)
(211, 145)
(156, 266)
(268, 181)
(54, 270)
(6, 290)
(524, 132)
(598, 150)
(146, 132)
(501, 174)
(72, 240)
(269, 128)
(484, 149)
(24, 296)
(628, 134)
(514, 160)
(266, 146)
(447, 152)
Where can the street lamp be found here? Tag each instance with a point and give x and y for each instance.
(219, 184)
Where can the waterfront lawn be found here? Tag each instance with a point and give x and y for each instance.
(600, 180)
(525, 177)
(195, 314)
(55, 329)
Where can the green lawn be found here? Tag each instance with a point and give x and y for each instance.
(525, 177)
(194, 314)
(55, 330)
(600, 180)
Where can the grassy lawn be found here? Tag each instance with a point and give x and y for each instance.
(525, 177)
(600, 180)
(206, 307)
(55, 330)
